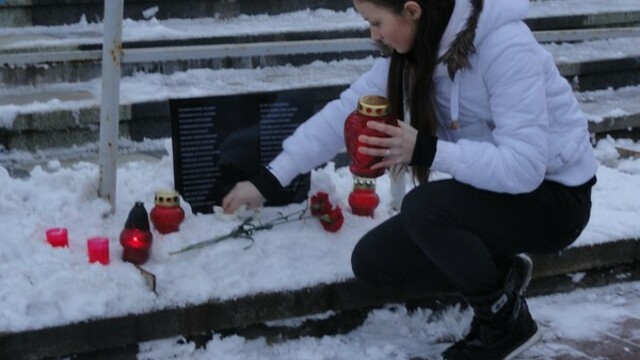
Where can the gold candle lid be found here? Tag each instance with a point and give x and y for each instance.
(167, 198)
(360, 182)
(373, 105)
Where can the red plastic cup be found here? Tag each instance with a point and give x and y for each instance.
(98, 250)
(57, 237)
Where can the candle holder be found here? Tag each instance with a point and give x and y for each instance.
(363, 199)
(98, 250)
(167, 215)
(136, 238)
(57, 237)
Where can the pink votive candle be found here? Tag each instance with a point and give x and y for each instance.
(98, 250)
(57, 237)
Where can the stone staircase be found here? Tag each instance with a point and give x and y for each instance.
(18, 13)
(585, 47)
(36, 61)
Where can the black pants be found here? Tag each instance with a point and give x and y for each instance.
(450, 236)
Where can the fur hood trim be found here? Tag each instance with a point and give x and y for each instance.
(457, 56)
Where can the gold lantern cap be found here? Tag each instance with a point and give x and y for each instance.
(364, 183)
(167, 197)
(373, 105)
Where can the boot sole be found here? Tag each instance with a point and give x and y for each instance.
(527, 344)
(528, 267)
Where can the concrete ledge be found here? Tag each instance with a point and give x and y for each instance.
(83, 70)
(70, 63)
(615, 124)
(341, 296)
(582, 21)
(65, 119)
(59, 12)
(601, 74)
(15, 17)
(151, 120)
(583, 258)
(60, 129)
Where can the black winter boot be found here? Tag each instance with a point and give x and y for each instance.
(502, 326)
(519, 275)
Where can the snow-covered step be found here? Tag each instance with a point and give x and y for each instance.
(292, 25)
(599, 64)
(28, 114)
(591, 60)
(24, 13)
(69, 66)
(612, 111)
(36, 55)
(596, 265)
(145, 112)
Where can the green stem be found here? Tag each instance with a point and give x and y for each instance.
(246, 230)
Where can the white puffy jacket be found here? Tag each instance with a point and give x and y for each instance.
(507, 122)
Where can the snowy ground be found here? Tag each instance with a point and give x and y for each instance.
(31, 271)
(41, 286)
(569, 322)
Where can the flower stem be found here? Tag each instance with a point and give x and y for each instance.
(246, 230)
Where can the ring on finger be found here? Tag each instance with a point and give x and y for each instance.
(387, 153)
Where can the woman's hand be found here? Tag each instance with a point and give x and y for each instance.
(395, 149)
(243, 193)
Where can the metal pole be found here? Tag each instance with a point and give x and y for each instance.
(109, 110)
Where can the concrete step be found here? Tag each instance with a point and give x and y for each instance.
(74, 66)
(601, 264)
(63, 64)
(43, 116)
(33, 56)
(580, 21)
(23, 13)
(68, 114)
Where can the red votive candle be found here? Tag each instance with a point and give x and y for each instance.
(98, 250)
(57, 237)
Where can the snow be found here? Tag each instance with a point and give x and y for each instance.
(601, 104)
(173, 29)
(41, 286)
(394, 332)
(548, 8)
(594, 50)
(144, 87)
(31, 271)
(215, 26)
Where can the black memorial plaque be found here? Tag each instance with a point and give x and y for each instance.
(218, 141)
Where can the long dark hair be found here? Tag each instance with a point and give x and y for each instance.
(411, 74)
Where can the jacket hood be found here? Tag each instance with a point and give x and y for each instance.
(470, 22)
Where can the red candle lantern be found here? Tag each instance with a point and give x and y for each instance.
(98, 250)
(57, 237)
(136, 238)
(363, 199)
(167, 215)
